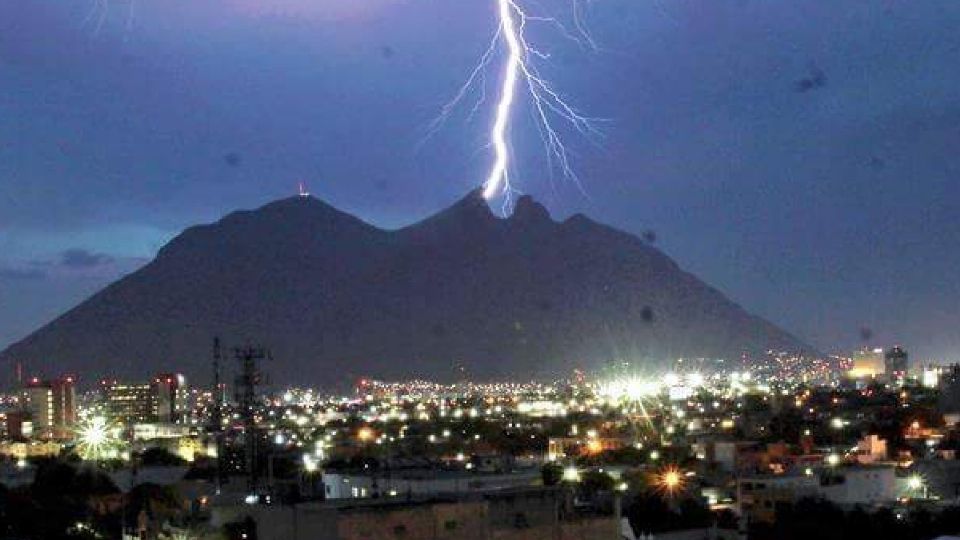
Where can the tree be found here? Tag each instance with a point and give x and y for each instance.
(594, 481)
(551, 474)
(161, 457)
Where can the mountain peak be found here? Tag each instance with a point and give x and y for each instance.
(296, 203)
(470, 212)
(300, 209)
(473, 203)
(529, 211)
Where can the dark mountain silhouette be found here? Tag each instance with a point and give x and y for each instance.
(462, 293)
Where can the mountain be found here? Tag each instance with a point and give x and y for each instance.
(462, 293)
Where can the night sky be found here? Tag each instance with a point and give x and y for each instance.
(801, 156)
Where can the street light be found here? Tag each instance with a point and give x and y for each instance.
(916, 484)
(365, 434)
(669, 480)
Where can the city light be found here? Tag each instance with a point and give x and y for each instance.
(97, 440)
(571, 474)
(915, 482)
(669, 480)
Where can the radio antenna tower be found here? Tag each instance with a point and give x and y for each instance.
(216, 415)
(247, 381)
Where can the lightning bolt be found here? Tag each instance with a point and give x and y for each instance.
(521, 73)
(499, 179)
(99, 13)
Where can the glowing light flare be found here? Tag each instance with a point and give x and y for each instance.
(98, 440)
(915, 482)
(669, 480)
(634, 389)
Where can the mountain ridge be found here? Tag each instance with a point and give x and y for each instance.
(460, 293)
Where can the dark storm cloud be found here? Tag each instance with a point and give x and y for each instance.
(67, 261)
(20, 274)
(82, 259)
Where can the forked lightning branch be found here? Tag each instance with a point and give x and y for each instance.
(521, 76)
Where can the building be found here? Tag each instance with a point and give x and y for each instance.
(565, 447)
(38, 406)
(149, 432)
(162, 400)
(32, 449)
(851, 485)
(948, 402)
(50, 407)
(64, 407)
(172, 397)
(515, 514)
(868, 363)
(896, 363)
(871, 449)
(129, 403)
(733, 456)
(859, 485)
(758, 496)
(421, 482)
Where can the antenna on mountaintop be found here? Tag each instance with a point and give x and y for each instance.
(303, 190)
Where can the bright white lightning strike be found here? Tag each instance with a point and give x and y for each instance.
(100, 11)
(520, 71)
(499, 178)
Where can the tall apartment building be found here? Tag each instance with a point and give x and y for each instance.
(896, 362)
(51, 407)
(162, 400)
